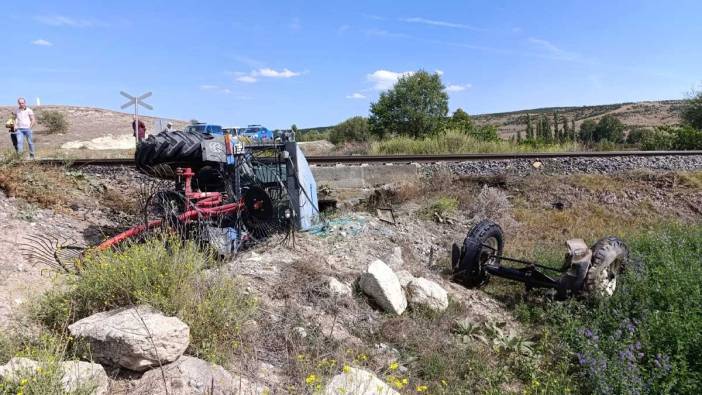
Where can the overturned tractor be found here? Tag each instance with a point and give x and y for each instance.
(585, 271)
(224, 193)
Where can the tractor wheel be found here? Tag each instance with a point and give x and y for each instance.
(609, 258)
(158, 155)
(483, 241)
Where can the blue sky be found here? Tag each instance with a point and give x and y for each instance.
(317, 63)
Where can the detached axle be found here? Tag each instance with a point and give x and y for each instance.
(584, 271)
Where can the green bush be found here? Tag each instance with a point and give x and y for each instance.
(165, 274)
(688, 138)
(669, 137)
(692, 110)
(54, 121)
(312, 135)
(460, 120)
(352, 129)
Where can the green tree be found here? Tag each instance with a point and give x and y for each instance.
(692, 110)
(529, 129)
(352, 129)
(573, 130)
(566, 132)
(546, 135)
(416, 106)
(54, 121)
(556, 132)
(460, 120)
(587, 131)
(519, 135)
(609, 128)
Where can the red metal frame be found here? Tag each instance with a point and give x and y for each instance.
(199, 205)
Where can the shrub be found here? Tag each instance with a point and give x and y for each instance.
(688, 138)
(460, 120)
(54, 121)
(636, 135)
(352, 129)
(165, 274)
(692, 110)
(312, 135)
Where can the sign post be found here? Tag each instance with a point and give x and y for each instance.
(136, 101)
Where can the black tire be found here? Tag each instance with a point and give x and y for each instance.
(609, 259)
(169, 150)
(483, 240)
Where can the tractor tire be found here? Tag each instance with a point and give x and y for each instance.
(483, 240)
(609, 259)
(158, 155)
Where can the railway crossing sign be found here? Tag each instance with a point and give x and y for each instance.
(136, 101)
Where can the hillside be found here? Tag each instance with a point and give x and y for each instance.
(641, 114)
(85, 123)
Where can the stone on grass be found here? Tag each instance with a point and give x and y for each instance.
(336, 288)
(190, 375)
(427, 293)
(79, 375)
(381, 283)
(405, 277)
(75, 375)
(354, 381)
(136, 338)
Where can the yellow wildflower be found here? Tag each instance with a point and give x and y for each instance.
(394, 365)
(311, 379)
(24, 382)
(422, 388)
(346, 368)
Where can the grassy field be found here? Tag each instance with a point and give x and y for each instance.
(456, 142)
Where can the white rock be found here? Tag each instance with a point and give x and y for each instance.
(134, 338)
(381, 283)
(427, 293)
(299, 332)
(357, 382)
(16, 368)
(76, 375)
(336, 288)
(193, 376)
(405, 277)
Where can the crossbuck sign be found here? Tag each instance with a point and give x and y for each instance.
(136, 102)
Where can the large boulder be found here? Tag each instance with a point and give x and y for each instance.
(75, 375)
(193, 376)
(136, 338)
(354, 381)
(381, 283)
(426, 293)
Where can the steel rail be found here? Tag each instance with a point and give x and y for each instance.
(361, 159)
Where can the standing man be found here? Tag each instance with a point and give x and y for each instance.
(168, 128)
(24, 122)
(142, 129)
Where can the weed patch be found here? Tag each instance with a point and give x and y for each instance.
(169, 276)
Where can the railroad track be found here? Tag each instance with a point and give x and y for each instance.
(382, 159)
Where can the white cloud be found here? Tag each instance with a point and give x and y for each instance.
(433, 22)
(385, 33)
(385, 79)
(60, 20)
(356, 96)
(265, 72)
(42, 42)
(270, 73)
(439, 72)
(457, 87)
(208, 87)
(247, 79)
